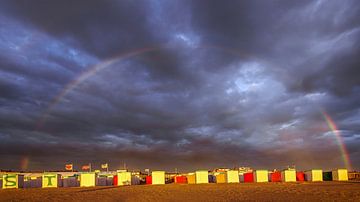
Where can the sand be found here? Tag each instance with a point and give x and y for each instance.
(322, 191)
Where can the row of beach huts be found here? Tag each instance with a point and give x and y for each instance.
(124, 177)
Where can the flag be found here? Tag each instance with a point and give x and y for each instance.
(85, 167)
(103, 166)
(68, 166)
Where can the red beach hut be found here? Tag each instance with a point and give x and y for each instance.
(248, 177)
(148, 180)
(300, 176)
(276, 176)
(115, 180)
(180, 179)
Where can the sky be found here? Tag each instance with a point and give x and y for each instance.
(186, 84)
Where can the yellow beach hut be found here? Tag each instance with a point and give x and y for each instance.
(158, 177)
(340, 175)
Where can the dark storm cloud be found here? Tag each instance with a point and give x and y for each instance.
(221, 83)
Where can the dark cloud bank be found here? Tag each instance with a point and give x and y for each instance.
(227, 83)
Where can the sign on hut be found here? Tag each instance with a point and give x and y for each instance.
(50, 180)
(11, 181)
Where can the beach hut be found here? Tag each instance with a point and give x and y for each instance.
(87, 179)
(148, 179)
(70, 181)
(32, 182)
(50, 180)
(220, 177)
(340, 175)
(11, 181)
(158, 177)
(180, 179)
(275, 176)
(124, 178)
(327, 176)
(300, 176)
(261, 176)
(202, 176)
(115, 180)
(314, 175)
(135, 180)
(249, 177)
(191, 179)
(232, 176)
(288, 175)
(101, 181)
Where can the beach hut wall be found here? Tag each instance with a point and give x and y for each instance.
(101, 181)
(202, 176)
(249, 177)
(288, 176)
(327, 176)
(180, 179)
(115, 180)
(275, 176)
(70, 182)
(220, 178)
(109, 181)
(148, 180)
(340, 175)
(124, 178)
(314, 175)
(300, 176)
(261, 176)
(158, 177)
(135, 180)
(31, 182)
(191, 179)
(50, 180)
(232, 176)
(12, 181)
(87, 179)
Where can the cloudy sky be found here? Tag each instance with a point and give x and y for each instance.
(191, 84)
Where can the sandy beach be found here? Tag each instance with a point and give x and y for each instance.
(322, 191)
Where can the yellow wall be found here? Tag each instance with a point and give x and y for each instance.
(50, 180)
(220, 178)
(124, 178)
(87, 179)
(340, 175)
(202, 176)
(11, 181)
(261, 176)
(232, 176)
(314, 175)
(191, 179)
(288, 176)
(158, 177)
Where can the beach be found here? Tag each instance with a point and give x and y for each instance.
(305, 191)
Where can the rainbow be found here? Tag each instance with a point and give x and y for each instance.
(332, 126)
(107, 63)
